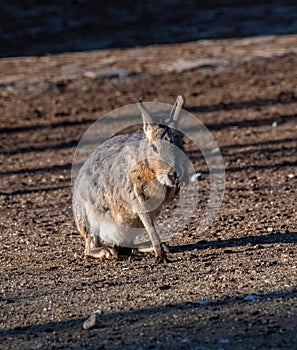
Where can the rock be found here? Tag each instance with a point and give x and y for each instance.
(108, 73)
(252, 297)
(183, 64)
(92, 322)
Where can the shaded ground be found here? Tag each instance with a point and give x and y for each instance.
(201, 300)
(35, 27)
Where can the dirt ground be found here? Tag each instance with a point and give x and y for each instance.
(233, 286)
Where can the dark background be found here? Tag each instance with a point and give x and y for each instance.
(35, 27)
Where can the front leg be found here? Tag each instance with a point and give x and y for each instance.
(154, 237)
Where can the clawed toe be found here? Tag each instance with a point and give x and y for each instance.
(162, 260)
(166, 248)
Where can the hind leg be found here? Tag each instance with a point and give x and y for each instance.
(150, 250)
(93, 247)
(94, 250)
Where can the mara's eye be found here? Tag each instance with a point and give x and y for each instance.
(154, 148)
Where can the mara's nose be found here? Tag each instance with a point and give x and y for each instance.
(173, 177)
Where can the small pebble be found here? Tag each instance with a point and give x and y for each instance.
(270, 280)
(215, 150)
(290, 176)
(270, 229)
(184, 341)
(224, 341)
(274, 124)
(195, 177)
(92, 322)
(99, 311)
(263, 321)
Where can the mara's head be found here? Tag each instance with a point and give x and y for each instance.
(162, 145)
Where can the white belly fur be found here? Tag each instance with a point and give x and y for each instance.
(110, 233)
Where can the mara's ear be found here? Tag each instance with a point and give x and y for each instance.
(175, 112)
(147, 120)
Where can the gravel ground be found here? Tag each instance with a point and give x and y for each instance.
(230, 287)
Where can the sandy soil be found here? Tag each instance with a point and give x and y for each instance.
(232, 287)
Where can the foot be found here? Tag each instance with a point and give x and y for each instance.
(160, 254)
(150, 250)
(103, 253)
